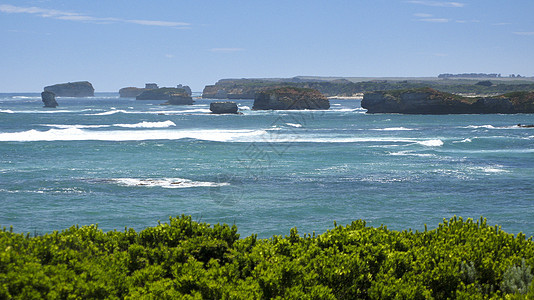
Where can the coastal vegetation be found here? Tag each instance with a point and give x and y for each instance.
(463, 259)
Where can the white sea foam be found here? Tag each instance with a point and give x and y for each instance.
(168, 183)
(77, 126)
(410, 153)
(76, 134)
(145, 124)
(480, 126)
(294, 125)
(467, 140)
(6, 111)
(490, 169)
(244, 107)
(109, 112)
(431, 143)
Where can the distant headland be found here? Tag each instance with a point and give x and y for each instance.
(431, 101)
(246, 88)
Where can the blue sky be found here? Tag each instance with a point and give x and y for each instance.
(121, 43)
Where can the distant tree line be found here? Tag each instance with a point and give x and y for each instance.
(476, 75)
(470, 75)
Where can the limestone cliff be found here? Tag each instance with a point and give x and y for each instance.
(130, 92)
(180, 99)
(290, 98)
(430, 101)
(159, 94)
(72, 89)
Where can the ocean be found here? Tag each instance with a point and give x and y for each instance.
(130, 163)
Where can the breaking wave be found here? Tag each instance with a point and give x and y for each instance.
(168, 183)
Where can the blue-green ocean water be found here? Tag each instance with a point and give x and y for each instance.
(121, 162)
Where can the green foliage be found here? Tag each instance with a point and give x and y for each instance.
(460, 259)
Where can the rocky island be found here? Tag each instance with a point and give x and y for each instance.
(72, 89)
(286, 98)
(163, 93)
(226, 107)
(134, 92)
(430, 101)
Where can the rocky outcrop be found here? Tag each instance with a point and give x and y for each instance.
(159, 94)
(49, 99)
(290, 98)
(180, 99)
(186, 88)
(72, 89)
(227, 107)
(130, 92)
(133, 92)
(430, 101)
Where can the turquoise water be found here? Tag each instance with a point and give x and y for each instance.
(122, 162)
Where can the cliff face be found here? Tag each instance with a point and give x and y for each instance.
(130, 92)
(72, 89)
(159, 94)
(290, 98)
(180, 99)
(430, 101)
(230, 92)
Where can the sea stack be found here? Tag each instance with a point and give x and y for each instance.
(227, 107)
(72, 89)
(49, 99)
(286, 98)
(180, 99)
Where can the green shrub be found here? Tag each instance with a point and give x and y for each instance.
(460, 259)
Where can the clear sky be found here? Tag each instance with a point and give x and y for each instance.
(119, 43)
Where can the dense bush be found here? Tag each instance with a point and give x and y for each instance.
(460, 259)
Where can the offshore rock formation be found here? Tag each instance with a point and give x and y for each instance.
(130, 92)
(180, 99)
(72, 89)
(49, 99)
(290, 98)
(430, 101)
(186, 88)
(159, 94)
(227, 107)
(133, 92)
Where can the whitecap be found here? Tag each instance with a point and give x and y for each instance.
(480, 126)
(6, 111)
(467, 140)
(294, 125)
(410, 153)
(244, 107)
(109, 112)
(77, 126)
(431, 143)
(145, 124)
(168, 183)
(76, 134)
